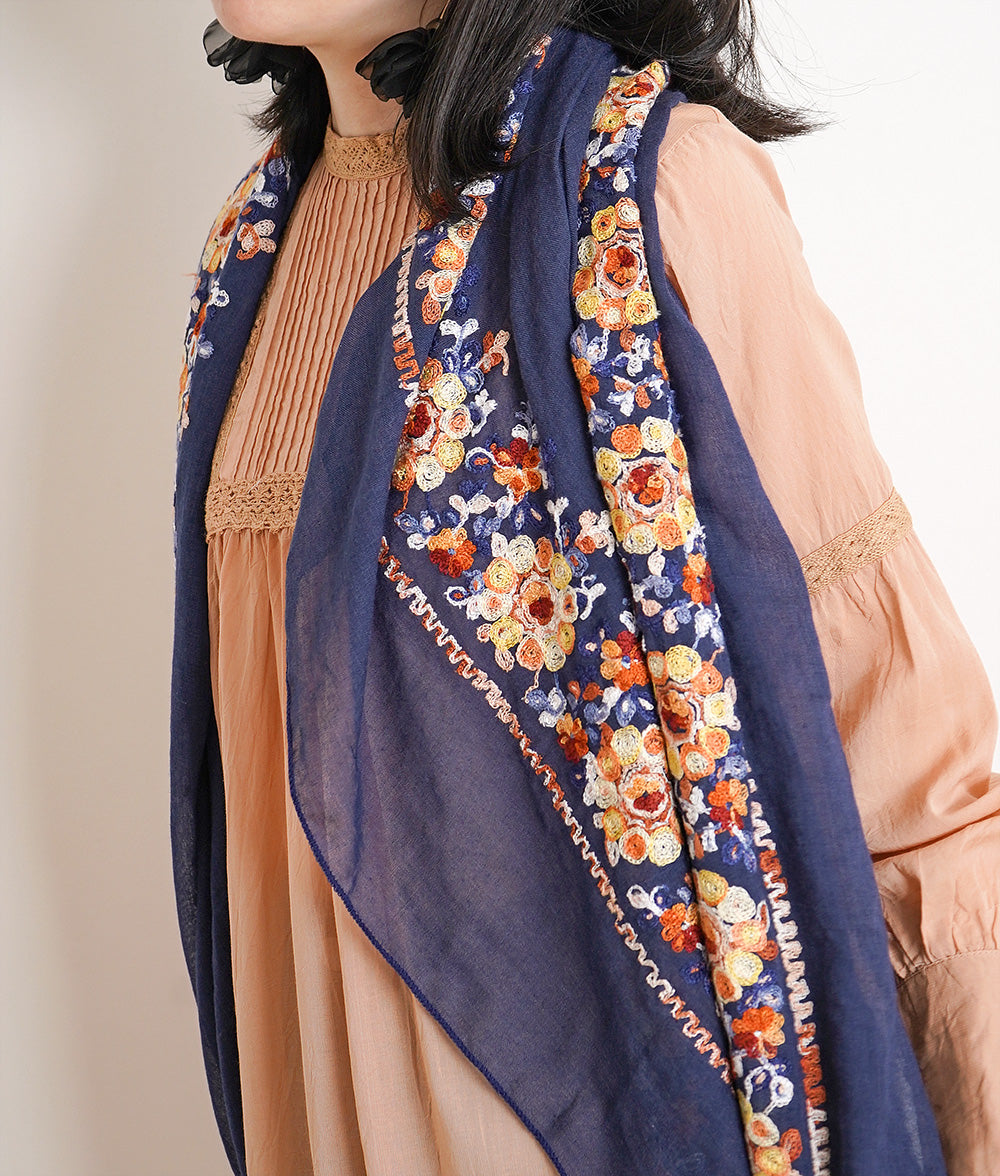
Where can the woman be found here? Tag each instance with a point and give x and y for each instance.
(525, 444)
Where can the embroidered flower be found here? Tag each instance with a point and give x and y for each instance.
(697, 581)
(452, 550)
(622, 661)
(254, 239)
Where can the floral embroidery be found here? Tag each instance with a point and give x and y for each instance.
(232, 226)
(648, 720)
(642, 465)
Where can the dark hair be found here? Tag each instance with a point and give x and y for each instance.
(709, 45)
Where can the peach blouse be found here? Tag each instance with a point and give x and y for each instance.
(343, 1071)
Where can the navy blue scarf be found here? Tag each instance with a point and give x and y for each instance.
(559, 726)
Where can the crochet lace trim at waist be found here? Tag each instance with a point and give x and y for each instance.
(269, 503)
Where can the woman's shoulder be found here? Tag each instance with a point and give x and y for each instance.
(709, 168)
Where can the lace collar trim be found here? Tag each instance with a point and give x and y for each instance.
(365, 157)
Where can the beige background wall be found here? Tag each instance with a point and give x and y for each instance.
(118, 145)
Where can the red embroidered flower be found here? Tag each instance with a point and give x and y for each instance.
(419, 418)
(622, 661)
(645, 483)
(452, 550)
(572, 738)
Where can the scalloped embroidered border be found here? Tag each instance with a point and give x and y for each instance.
(409, 592)
(786, 932)
(864, 543)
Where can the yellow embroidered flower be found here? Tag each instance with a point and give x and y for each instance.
(640, 539)
(505, 633)
(711, 887)
(614, 823)
(627, 743)
(500, 575)
(604, 224)
(450, 453)
(619, 521)
(587, 303)
(560, 572)
(682, 663)
(686, 516)
(448, 391)
(772, 1161)
(744, 966)
(609, 465)
(718, 709)
(640, 307)
(521, 553)
(587, 251)
(429, 472)
(737, 905)
(555, 658)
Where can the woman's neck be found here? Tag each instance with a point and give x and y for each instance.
(354, 109)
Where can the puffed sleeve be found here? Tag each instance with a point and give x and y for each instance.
(910, 695)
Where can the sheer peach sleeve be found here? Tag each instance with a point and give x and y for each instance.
(910, 695)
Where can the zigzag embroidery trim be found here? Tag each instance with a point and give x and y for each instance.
(418, 604)
(786, 932)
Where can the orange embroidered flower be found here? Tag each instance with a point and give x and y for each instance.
(611, 314)
(714, 740)
(627, 440)
(676, 713)
(572, 738)
(452, 550)
(708, 680)
(517, 466)
(679, 926)
(447, 255)
(419, 418)
(667, 531)
(583, 280)
(698, 579)
(772, 1161)
(621, 266)
(623, 662)
(730, 792)
(695, 762)
(759, 1032)
(432, 371)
